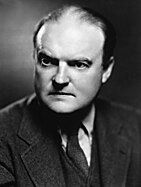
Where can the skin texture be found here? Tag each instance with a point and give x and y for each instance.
(68, 69)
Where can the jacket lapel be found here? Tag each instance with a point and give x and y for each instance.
(114, 149)
(43, 165)
(41, 158)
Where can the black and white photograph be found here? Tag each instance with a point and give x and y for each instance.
(70, 93)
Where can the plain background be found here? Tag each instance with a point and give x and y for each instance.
(17, 21)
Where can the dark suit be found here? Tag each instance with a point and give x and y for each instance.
(29, 156)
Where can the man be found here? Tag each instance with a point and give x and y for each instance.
(64, 135)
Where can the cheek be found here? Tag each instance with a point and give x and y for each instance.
(89, 84)
(41, 79)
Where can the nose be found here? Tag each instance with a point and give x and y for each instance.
(61, 76)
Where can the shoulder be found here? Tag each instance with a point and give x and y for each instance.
(11, 116)
(117, 109)
(121, 118)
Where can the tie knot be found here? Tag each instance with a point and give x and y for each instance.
(75, 131)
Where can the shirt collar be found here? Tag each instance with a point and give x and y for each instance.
(89, 121)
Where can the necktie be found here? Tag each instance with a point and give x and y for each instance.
(76, 154)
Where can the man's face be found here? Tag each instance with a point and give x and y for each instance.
(68, 69)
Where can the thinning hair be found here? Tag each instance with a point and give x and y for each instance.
(89, 16)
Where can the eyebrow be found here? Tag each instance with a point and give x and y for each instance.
(80, 59)
(47, 56)
(69, 61)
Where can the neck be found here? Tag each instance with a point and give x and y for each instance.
(70, 121)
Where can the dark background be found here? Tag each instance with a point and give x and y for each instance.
(17, 21)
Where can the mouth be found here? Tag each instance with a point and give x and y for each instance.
(62, 93)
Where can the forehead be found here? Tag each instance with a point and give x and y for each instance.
(70, 36)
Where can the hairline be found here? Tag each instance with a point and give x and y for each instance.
(80, 15)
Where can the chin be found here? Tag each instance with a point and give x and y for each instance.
(63, 109)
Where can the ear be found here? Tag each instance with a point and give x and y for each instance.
(108, 71)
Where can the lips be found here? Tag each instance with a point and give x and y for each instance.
(62, 93)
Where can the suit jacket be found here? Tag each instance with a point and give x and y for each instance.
(29, 155)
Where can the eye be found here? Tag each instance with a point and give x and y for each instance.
(46, 61)
(79, 64)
